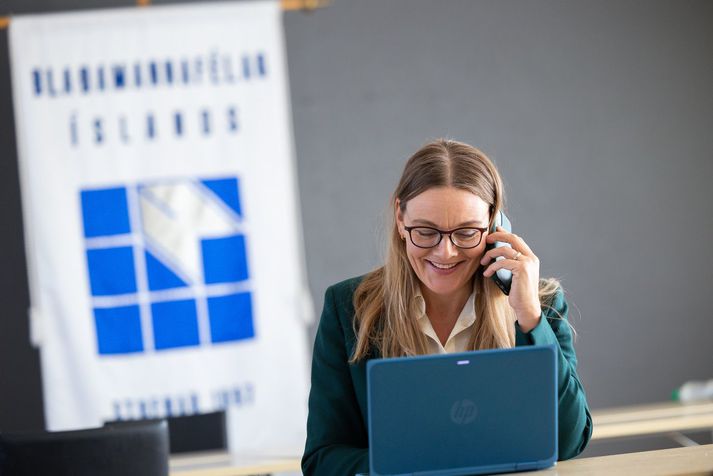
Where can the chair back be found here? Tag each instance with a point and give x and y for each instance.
(127, 448)
(203, 432)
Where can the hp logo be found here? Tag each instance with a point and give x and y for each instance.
(463, 412)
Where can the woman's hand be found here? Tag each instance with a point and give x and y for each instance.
(525, 268)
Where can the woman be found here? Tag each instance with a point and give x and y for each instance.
(434, 295)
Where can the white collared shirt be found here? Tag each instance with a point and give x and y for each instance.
(459, 338)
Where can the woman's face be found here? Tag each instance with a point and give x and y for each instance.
(444, 269)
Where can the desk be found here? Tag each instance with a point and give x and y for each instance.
(221, 463)
(652, 419)
(692, 460)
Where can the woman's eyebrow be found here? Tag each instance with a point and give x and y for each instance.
(421, 221)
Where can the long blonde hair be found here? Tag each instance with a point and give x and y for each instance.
(384, 300)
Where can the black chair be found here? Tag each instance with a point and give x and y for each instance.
(202, 432)
(123, 449)
(194, 433)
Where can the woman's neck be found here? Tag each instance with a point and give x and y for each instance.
(445, 308)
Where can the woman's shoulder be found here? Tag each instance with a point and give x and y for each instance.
(341, 294)
(346, 287)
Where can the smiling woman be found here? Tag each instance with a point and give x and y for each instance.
(434, 295)
(444, 268)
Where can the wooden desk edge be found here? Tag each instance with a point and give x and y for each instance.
(222, 464)
(692, 460)
(687, 460)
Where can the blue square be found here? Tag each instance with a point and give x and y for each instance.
(118, 329)
(105, 212)
(227, 190)
(175, 324)
(111, 271)
(160, 275)
(224, 259)
(231, 317)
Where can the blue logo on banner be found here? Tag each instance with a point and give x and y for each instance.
(167, 265)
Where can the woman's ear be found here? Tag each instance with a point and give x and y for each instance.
(399, 217)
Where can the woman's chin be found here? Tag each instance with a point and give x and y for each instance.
(441, 288)
(446, 285)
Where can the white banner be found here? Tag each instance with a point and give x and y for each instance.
(160, 206)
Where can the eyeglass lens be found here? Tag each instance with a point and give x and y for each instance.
(425, 237)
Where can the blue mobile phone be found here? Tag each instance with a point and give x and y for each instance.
(502, 277)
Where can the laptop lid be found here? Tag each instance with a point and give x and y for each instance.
(467, 413)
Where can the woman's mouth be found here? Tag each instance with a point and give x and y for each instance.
(443, 268)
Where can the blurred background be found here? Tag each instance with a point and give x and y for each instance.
(599, 115)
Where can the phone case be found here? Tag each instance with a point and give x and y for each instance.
(502, 277)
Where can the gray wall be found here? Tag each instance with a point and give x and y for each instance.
(599, 115)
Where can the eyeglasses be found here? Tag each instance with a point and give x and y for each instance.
(427, 237)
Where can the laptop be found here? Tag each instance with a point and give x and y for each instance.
(488, 411)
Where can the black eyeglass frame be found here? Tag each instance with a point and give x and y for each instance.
(446, 232)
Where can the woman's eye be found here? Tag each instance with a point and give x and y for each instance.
(466, 234)
(426, 233)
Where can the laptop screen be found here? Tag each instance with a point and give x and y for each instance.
(466, 413)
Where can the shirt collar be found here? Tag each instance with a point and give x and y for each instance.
(465, 319)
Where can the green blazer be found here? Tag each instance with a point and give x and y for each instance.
(337, 436)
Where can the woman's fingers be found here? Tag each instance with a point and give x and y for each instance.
(509, 264)
(504, 251)
(512, 239)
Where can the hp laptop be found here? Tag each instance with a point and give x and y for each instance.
(469, 413)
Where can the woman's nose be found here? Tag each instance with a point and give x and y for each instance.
(446, 248)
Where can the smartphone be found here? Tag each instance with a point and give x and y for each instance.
(502, 277)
